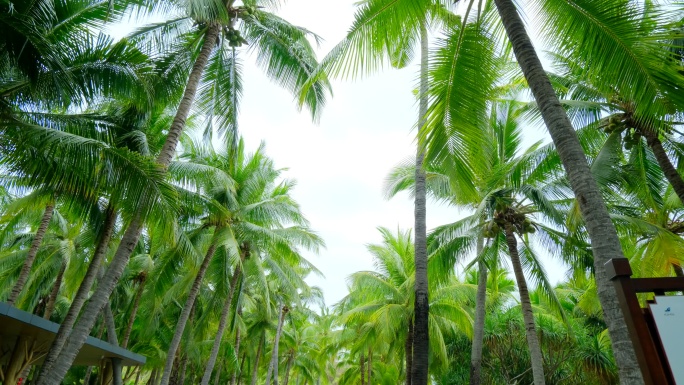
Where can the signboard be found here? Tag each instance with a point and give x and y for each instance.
(668, 313)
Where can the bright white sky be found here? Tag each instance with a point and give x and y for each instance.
(341, 163)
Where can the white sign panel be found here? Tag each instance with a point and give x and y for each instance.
(668, 312)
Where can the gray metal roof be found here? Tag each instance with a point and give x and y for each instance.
(15, 322)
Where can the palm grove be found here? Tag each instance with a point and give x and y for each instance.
(133, 212)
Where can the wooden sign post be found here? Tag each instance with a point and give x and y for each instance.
(642, 327)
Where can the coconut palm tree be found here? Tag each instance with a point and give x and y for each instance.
(512, 186)
(381, 301)
(404, 26)
(293, 68)
(605, 242)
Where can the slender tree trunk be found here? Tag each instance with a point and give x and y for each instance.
(678, 270)
(185, 314)
(273, 366)
(409, 352)
(421, 342)
(153, 377)
(137, 376)
(290, 361)
(604, 240)
(130, 238)
(89, 371)
(480, 311)
(362, 369)
(528, 316)
(50, 307)
(222, 327)
(664, 162)
(83, 290)
(183, 370)
(117, 379)
(217, 377)
(134, 311)
(111, 326)
(255, 369)
(233, 377)
(370, 364)
(31, 256)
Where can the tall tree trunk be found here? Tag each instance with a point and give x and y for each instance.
(134, 311)
(409, 352)
(217, 377)
(233, 377)
(130, 238)
(370, 364)
(185, 314)
(421, 342)
(31, 255)
(153, 377)
(83, 290)
(290, 361)
(255, 369)
(678, 270)
(273, 366)
(222, 326)
(117, 379)
(183, 370)
(528, 316)
(604, 240)
(664, 162)
(89, 371)
(480, 311)
(52, 300)
(362, 369)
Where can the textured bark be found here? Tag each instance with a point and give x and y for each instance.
(178, 124)
(183, 370)
(217, 377)
(82, 292)
(273, 366)
(362, 369)
(100, 297)
(664, 162)
(185, 315)
(52, 300)
(134, 311)
(480, 312)
(89, 371)
(421, 341)
(604, 239)
(290, 361)
(233, 377)
(255, 369)
(117, 379)
(528, 316)
(222, 327)
(409, 352)
(31, 255)
(111, 326)
(370, 364)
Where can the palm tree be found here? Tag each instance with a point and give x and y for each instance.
(294, 68)
(605, 242)
(381, 301)
(402, 24)
(264, 219)
(511, 185)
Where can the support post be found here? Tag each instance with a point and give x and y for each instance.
(619, 272)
